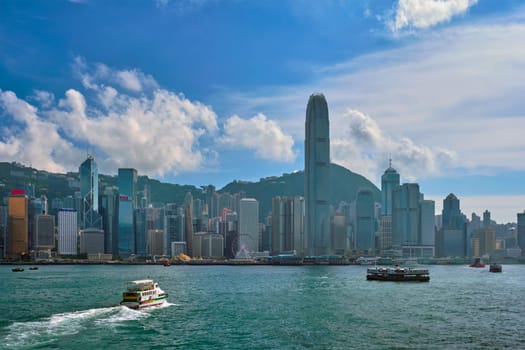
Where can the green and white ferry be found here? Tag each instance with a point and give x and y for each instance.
(143, 293)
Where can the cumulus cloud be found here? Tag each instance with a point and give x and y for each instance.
(427, 13)
(158, 132)
(95, 76)
(156, 135)
(35, 141)
(44, 98)
(458, 88)
(126, 120)
(260, 134)
(362, 146)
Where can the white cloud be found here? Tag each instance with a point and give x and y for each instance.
(451, 98)
(96, 76)
(427, 13)
(157, 135)
(37, 142)
(359, 144)
(44, 98)
(260, 134)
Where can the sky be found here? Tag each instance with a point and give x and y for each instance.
(210, 91)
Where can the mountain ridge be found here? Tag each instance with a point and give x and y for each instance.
(344, 185)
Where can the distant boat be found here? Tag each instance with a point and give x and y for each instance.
(364, 260)
(33, 268)
(495, 268)
(397, 274)
(477, 263)
(17, 269)
(143, 293)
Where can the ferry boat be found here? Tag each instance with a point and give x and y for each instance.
(495, 267)
(397, 274)
(477, 263)
(143, 293)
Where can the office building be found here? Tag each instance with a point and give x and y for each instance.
(91, 241)
(317, 177)
(127, 187)
(521, 230)
(67, 231)
(89, 214)
(287, 225)
(389, 181)
(108, 210)
(451, 239)
(365, 225)
(44, 235)
(249, 225)
(155, 242)
(17, 224)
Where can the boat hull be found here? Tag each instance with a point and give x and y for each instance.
(136, 305)
(398, 275)
(398, 278)
(495, 268)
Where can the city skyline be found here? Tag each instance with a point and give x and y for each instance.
(209, 92)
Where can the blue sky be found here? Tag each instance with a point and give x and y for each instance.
(208, 91)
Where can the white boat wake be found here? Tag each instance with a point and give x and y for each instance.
(41, 332)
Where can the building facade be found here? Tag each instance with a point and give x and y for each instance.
(89, 214)
(67, 232)
(317, 177)
(127, 187)
(365, 225)
(17, 224)
(249, 225)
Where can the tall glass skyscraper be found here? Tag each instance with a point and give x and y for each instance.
(365, 220)
(317, 177)
(405, 215)
(127, 187)
(88, 172)
(389, 181)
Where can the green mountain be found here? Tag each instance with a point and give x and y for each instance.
(344, 186)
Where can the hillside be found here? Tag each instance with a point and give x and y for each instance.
(344, 185)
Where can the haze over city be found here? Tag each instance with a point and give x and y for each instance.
(205, 92)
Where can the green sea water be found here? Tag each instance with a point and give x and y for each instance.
(262, 307)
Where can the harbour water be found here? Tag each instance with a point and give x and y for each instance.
(262, 307)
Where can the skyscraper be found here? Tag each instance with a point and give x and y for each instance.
(405, 215)
(317, 177)
(127, 187)
(365, 227)
(287, 224)
(249, 225)
(88, 172)
(67, 232)
(452, 237)
(389, 181)
(521, 230)
(18, 224)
